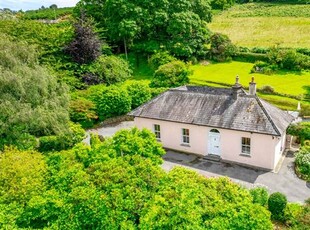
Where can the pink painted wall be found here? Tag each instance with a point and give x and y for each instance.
(263, 147)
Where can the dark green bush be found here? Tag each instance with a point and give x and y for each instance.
(250, 57)
(160, 58)
(172, 74)
(276, 205)
(222, 48)
(222, 4)
(259, 195)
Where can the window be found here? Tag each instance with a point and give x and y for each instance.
(246, 145)
(185, 136)
(157, 131)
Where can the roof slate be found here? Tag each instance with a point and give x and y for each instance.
(216, 107)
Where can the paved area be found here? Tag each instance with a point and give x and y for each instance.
(285, 181)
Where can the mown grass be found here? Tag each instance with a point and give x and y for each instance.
(283, 82)
(265, 25)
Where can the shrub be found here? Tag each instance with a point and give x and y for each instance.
(109, 70)
(221, 48)
(301, 130)
(250, 57)
(160, 58)
(267, 89)
(172, 74)
(139, 93)
(263, 67)
(292, 213)
(83, 112)
(110, 101)
(63, 141)
(302, 162)
(259, 195)
(222, 4)
(276, 205)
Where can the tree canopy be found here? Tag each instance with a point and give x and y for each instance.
(179, 26)
(32, 102)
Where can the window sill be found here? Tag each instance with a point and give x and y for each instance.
(185, 145)
(244, 155)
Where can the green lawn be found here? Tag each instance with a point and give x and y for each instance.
(283, 82)
(265, 25)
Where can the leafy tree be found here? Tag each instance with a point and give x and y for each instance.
(86, 46)
(32, 102)
(172, 74)
(141, 25)
(221, 47)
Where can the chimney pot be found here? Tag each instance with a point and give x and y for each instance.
(252, 87)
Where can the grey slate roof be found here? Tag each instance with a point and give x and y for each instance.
(216, 107)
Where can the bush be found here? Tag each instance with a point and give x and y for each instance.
(63, 141)
(83, 112)
(276, 205)
(222, 4)
(110, 101)
(250, 57)
(139, 93)
(160, 58)
(221, 48)
(288, 59)
(301, 130)
(263, 67)
(109, 70)
(267, 89)
(302, 162)
(259, 195)
(172, 74)
(292, 213)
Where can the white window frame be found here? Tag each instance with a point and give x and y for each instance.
(185, 136)
(156, 130)
(246, 145)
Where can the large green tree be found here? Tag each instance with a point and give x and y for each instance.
(32, 102)
(177, 25)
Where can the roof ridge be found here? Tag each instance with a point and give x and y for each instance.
(267, 115)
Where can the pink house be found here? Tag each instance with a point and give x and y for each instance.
(229, 124)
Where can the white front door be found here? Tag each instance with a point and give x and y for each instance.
(214, 143)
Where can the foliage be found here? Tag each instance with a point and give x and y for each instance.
(109, 70)
(47, 13)
(32, 102)
(292, 213)
(85, 46)
(160, 58)
(190, 201)
(22, 175)
(288, 59)
(301, 130)
(172, 74)
(83, 111)
(63, 141)
(180, 26)
(222, 4)
(139, 92)
(276, 205)
(110, 101)
(267, 89)
(302, 162)
(221, 48)
(259, 195)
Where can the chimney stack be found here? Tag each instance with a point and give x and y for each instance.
(252, 87)
(236, 88)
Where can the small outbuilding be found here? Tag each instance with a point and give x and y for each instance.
(228, 123)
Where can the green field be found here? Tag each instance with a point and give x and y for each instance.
(265, 25)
